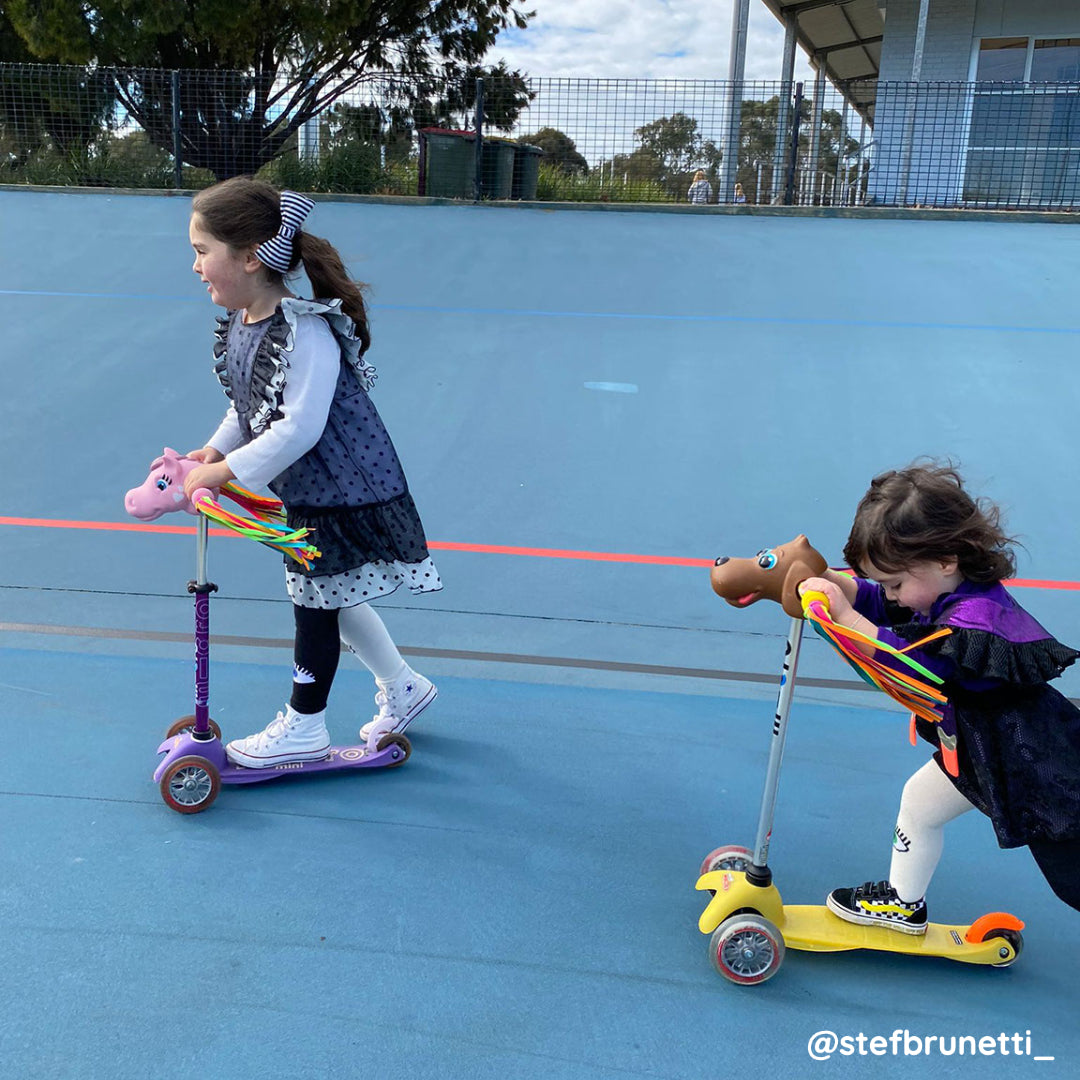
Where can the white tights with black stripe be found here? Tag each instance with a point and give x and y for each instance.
(929, 803)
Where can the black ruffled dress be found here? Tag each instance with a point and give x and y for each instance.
(1018, 738)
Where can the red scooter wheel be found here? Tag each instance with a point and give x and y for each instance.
(728, 857)
(747, 949)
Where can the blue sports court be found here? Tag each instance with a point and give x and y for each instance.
(590, 406)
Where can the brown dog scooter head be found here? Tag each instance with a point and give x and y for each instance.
(773, 574)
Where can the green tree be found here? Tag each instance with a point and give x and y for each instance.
(65, 111)
(669, 151)
(265, 67)
(757, 145)
(402, 107)
(560, 151)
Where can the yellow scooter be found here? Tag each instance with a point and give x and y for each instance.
(751, 927)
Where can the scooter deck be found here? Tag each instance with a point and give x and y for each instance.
(339, 758)
(814, 928)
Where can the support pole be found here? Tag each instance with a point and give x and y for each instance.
(479, 182)
(740, 21)
(793, 150)
(916, 76)
(177, 134)
(816, 186)
(783, 112)
(840, 183)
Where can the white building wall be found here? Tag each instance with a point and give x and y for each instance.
(947, 52)
(930, 172)
(953, 25)
(1031, 18)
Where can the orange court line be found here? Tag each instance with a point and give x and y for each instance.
(442, 545)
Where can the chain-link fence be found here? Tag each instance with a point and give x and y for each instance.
(1005, 145)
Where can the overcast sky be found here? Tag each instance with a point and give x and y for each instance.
(641, 39)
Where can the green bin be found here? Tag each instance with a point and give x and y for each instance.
(526, 171)
(498, 168)
(449, 163)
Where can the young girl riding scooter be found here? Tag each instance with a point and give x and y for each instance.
(929, 555)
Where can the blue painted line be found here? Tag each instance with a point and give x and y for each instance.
(763, 320)
(613, 387)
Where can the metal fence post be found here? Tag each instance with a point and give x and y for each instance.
(793, 155)
(177, 141)
(479, 182)
(841, 176)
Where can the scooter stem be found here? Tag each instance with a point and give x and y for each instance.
(759, 872)
(201, 589)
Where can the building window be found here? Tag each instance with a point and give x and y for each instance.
(1002, 60)
(1055, 60)
(1022, 59)
(1023, 146)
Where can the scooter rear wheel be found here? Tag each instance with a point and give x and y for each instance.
(747, 949)
(190, 784)
(1014, 938)
(395, 738)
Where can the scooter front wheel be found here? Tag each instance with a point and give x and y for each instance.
(187, 723)
(190, 784)
(728, 857)
(746, 949)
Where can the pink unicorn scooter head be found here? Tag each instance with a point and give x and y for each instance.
(163, 490)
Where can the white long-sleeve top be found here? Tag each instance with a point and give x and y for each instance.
(314, 366)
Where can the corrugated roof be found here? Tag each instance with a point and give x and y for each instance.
(843, 35)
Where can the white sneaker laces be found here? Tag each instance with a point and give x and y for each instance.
(277, 727)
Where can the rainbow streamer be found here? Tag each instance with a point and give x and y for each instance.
(916, 689)
(265, 526)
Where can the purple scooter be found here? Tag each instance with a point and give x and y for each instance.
(195, 764)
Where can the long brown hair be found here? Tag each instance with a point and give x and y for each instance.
(243, 212)
(922, 514)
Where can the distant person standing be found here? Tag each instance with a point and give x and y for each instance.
(740, 195)
(700, 191)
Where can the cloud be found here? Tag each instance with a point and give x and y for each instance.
(641, 39)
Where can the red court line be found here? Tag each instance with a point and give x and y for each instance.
(482, 549)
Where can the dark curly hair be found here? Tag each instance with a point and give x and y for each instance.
(922, 514)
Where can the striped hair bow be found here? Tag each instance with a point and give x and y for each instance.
(277, 251)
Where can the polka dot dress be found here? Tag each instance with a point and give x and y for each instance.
(358, 586)
(349, 490)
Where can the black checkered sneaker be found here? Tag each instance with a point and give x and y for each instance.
(875, 903)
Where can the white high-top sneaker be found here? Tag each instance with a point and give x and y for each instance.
(400, 703)
(290, 736)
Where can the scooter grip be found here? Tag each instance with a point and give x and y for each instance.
(813, 596)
